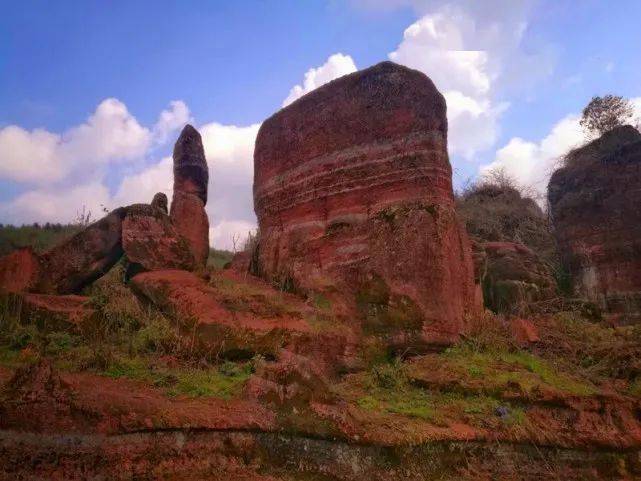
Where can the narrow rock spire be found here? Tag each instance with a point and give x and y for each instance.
(191, 177)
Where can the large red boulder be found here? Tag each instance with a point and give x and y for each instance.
(82, 259)
(191, 177)
(595, 201)
(353, 193)
(19, 270)
(151, 241)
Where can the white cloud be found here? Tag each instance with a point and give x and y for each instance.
(336, 66)
(531, 163)
(29, 156)
(230, 234)
(46, 205)
(141, 187)
(469, 49)
(110, 134)
(435, 45)
(230, 144)
(229, 150)
(473, 124)
(171, 120)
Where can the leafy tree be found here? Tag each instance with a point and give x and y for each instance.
(603, 114)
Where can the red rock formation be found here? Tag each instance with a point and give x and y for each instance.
(56, 312)
(595, 202)
(235, 325)
(79, 261)
(190, 193)
(524, 331)
(19, 270)
(353, 193)
(151, 242)
(514, 278)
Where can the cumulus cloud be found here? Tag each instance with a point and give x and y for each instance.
(229, 150)
(29, 156)
(47, 205)
(468, 50)
(142, 186)
(531, 163)
(110, 134)
(171, 120)
(336, 66)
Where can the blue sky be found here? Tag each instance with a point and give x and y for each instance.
(86, 88)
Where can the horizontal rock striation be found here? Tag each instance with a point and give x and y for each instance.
(353, 194)
(595, 203)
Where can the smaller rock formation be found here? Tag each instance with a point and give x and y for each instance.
(191, 178)
(514, 278)
(151, 242)
(19, 270)
(595, 201)
(160, 202)
(82, 259)
(512, 244)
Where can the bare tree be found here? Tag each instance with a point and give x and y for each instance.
(603, 114)
(83, 218)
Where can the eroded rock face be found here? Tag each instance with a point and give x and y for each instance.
(82, 259)
(66, 312)
(191, 177)
(19, 270)
(595, 202)
(514, 278)
(151, 242)
(353, 193)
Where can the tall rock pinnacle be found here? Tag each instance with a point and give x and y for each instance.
(191, 177)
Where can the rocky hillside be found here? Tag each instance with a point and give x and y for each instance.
(360, 351)
(515, 253)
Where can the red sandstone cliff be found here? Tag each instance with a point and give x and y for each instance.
(353, 193)
(595, 200)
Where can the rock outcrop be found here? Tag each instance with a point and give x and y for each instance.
(514, 278)
(151, 242)
(191, 177)
(594, 200)
(82, 259)
(353, 193)
(19, 270)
